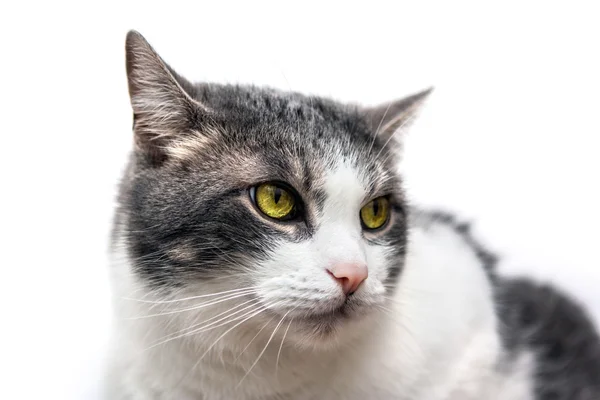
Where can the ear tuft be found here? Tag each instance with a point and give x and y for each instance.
(386, 119)
(162, 109)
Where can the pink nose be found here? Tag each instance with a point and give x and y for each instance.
(349, 276)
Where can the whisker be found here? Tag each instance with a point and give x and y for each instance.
(281, 346)
(252, 340)
(264, 348)
(194, 326)
(197, 307)
(223, 335)
(201, 329)
(190, 298)
(235, 326)
(220, 337)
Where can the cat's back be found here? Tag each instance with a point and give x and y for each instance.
(566, 346)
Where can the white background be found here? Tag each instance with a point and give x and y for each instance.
(510, 138)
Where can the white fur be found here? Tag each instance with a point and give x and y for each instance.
(436, 338)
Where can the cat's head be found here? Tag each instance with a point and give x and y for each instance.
(262, 204)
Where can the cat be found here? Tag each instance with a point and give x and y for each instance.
(264, 248)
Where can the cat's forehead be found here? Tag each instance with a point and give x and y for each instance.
(263, 114)
(265, 135)
(262, 101)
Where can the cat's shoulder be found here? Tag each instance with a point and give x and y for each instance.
(460, 230)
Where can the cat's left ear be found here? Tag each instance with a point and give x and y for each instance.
(163, 109)
(387, 118)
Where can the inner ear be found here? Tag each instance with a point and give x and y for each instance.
(163, 109)
(384, 120)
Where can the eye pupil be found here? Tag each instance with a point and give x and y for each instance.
(376, 208)
(277, 195)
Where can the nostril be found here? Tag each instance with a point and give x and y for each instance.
(349, 276)
(343, 281)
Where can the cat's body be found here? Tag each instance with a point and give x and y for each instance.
(217, 301)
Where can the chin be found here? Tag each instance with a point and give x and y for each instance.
(333, 329)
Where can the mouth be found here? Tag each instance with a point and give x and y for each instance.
(314, 327)
(313, 322)
(330, 320)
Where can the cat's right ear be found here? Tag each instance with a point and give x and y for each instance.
(162, 109)
(388, 118)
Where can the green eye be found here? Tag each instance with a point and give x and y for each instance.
(376, 213)
(274, 201)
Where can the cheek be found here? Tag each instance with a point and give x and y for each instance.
(295, 277)
(379, 261)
